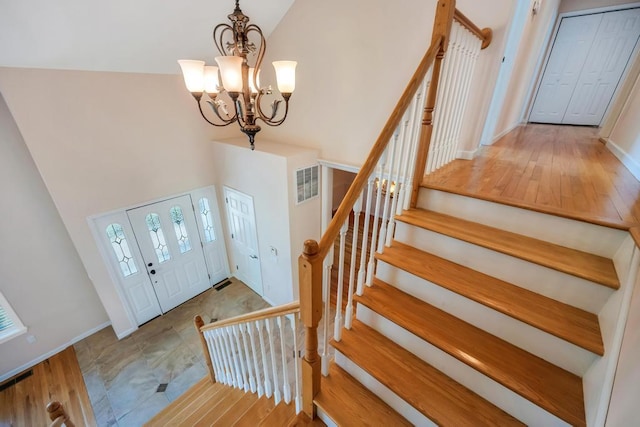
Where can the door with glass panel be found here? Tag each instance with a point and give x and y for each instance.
(168, 238)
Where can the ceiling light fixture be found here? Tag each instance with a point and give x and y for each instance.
(240, 80)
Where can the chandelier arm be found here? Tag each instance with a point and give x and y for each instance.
(224, 122)
(261, 50)
(271, 122)
(218, 37)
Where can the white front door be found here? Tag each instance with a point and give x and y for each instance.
(169, 241)
(244, 238)
(588, 58)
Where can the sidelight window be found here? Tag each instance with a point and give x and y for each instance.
(207, 220)
(121, 250)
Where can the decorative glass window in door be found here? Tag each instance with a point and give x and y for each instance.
(116, 236)
(207, 220)
(181, 230)
(10, 324)
(157, 237)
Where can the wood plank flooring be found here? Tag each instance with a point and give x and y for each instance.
(561, 168)
(57, 378)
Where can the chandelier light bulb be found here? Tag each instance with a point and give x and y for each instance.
(231, 72)
(285, 75)
(211, 82)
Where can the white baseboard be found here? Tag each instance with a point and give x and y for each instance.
(501, 134)
(53, 352)
(466, 155)
(626, 160)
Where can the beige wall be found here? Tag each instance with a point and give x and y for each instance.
(624, 140)
(103, 141)
(41, 274)
(354, 60)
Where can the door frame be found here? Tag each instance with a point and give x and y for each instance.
(630, 72)
(121, 214)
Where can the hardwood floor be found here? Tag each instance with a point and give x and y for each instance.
(57, 378)
(561, 169)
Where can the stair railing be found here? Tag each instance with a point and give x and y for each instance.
(257, 352)
(387, 183)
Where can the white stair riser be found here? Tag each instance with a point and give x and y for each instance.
(544, 345)
(326, 418)
(475, 381)
(551, 283)
(383, 392)
(575, 234)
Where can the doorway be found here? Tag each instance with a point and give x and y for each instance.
(589, 56)
(244, 238)
(163, 253)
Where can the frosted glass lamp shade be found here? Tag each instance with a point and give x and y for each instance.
(193, 73)
(211, 79)
(231, 72)
(251, 86)
(285, 75)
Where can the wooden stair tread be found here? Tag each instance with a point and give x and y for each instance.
(348, 402)
(225, 399)
(548, 386)
(258, 411)
(425, 388)
(564, 321)
(198, 395)
(279, 416)
(227, 416)
(303, 420)
(588, 266)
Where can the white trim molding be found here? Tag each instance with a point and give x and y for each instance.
(627, 161)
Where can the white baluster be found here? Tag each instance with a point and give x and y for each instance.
(387, 196)
(247, 358)
(231, 375)
(254, 354)
(272, 350)
(286, 387)
(402, 156)
(452, 92)
(228, 336)
(293, 320)
(376, 218)
(365, 237)
(357, 208)
(265, 365)
(326, 291)
(213, 351)
(459, 56)
(337, 323)
(415, 137)
(241, 358)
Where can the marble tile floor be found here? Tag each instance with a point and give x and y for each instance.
(122, 376)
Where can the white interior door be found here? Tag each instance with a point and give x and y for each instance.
(587, 60)
(244, 238)
(566, 61)
(612, 48)
(169, 241)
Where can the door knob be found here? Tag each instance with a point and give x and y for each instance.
(253, 256)
(152, 272)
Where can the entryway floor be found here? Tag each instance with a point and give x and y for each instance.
(123, 376)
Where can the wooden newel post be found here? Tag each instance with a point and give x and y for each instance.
(310, 272)
(199, 323)
(57, 414)
(441, 31)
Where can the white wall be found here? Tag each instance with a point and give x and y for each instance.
(624, 140)
(528, 63)
(354, 60)
(103, 141)
(41, 274)
(266, 174)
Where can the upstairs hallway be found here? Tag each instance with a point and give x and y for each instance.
(563, 170)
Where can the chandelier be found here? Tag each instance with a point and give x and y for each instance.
(239, 43)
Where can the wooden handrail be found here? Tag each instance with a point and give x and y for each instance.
(341, 215)
(281, 310)
(485, 34)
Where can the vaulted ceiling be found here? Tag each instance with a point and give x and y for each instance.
(141, 36)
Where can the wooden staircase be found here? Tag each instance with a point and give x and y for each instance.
(444, 343)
